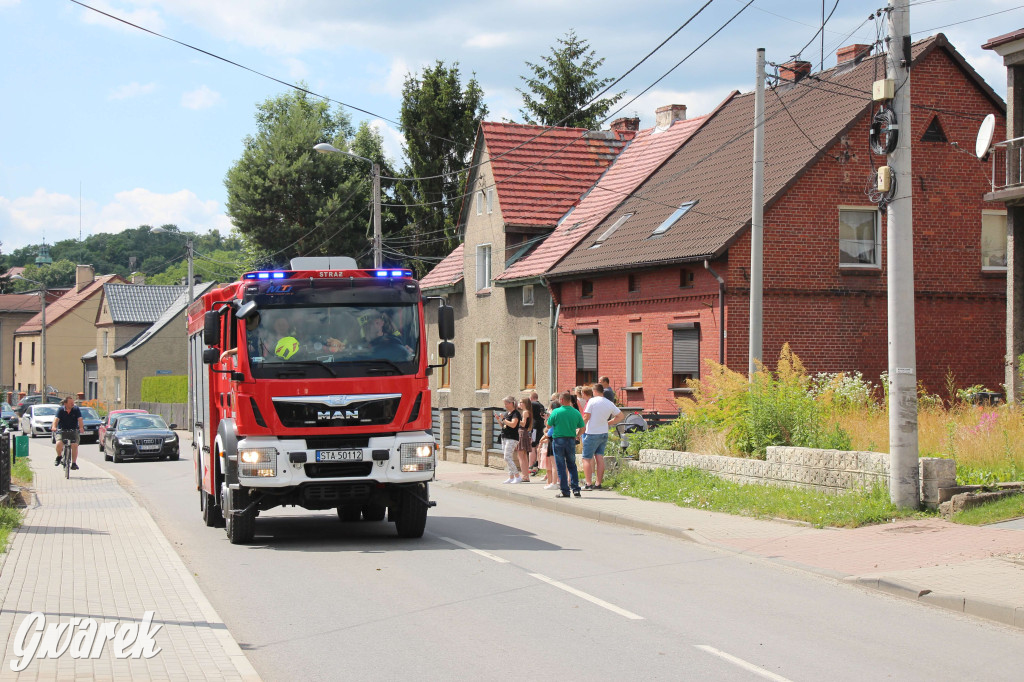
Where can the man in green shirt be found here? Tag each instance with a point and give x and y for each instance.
(566, 424)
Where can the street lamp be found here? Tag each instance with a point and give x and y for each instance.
(42, 334)
(191, 296)
(325, 148)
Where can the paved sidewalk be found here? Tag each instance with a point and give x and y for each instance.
(88, 550)
(978, 571)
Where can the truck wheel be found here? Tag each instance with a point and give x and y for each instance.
(411, 518)
(239, 525)
(374, 511)
(348, 514)
(212, 516)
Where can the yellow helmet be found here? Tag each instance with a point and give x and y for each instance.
(287, 347)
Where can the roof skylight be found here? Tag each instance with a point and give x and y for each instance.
(672, 219)
(611, 230)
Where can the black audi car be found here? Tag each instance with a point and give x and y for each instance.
(141, 436)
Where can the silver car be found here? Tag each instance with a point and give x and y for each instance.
(38, 419)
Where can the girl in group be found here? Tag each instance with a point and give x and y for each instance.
(525, 438)
(547, 456)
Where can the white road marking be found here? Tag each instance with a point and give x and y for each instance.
(589, 597)
(741, 663)
(486, 555)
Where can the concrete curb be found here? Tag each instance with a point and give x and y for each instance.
(965, 604)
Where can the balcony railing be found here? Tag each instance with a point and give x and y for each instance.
(1006, 164)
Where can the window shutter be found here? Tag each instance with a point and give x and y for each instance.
(686, 351)
(586, 352)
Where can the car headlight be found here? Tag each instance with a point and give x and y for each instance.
(125, 441)
(171, 439)
(417, 456)
(257, 462)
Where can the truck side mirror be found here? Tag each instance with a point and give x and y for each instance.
(446, 349)
(446, 323)
(210, 356)
(211, 329)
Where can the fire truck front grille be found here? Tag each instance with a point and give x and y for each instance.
(377, 411)
(334, 493)
(337, 442)
(339, 470)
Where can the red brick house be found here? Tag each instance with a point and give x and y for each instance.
(646, 293)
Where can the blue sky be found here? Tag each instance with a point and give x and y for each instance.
(106, 127)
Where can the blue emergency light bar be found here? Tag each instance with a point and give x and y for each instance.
(291, 274)
(394, 273)
(268, 275)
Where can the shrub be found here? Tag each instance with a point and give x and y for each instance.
(842, 391)
(672, 436)
(165, 389)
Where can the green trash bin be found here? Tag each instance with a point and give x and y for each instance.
(21, 446)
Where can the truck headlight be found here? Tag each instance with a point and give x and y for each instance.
(417, 456)
(258, 462)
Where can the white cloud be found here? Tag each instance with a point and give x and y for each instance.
(392, 140)
(395, 79)
(297, 69)
(200, 98)
(131, 90)
(698, 102)
(145, 17)
(490, 40)
(53, 217)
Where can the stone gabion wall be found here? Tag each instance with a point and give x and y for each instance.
(825, 470)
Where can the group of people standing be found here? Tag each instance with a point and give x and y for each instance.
(529, 437)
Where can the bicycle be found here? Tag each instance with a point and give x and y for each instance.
(67, 440)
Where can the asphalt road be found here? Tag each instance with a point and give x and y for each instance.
(498, 590)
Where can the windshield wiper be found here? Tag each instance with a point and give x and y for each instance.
(285, 367)
(377, 361)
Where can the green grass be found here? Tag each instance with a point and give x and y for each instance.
(701, 490)
(992, 512)
(22, 472)
(10, 518)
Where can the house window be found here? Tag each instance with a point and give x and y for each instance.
(685, 353)
(633, 285)
(858, 238)
(635, 372)
(106, 346)
(528, 363)
(586, 356)
(483, 267)
(610, 231)
(528, 294)
(33, 353)
(446, 374)
(934, 132)
(587, 288)
(19, 352)
(994, 235)
(479, 203)
(685, 278)
(483, 366)
(117, 389)
(490, 201)
(672, 219)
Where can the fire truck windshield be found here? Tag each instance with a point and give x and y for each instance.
(333, 341)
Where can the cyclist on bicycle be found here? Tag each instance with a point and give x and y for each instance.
(68, 421)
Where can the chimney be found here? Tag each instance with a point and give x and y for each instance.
(794, 70)
(669, 114)
(138, 278)
(624, 124)
(84, 275)
(853, 53)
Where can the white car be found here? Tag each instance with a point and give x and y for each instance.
(38, 419)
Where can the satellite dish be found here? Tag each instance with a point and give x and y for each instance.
(985, 133)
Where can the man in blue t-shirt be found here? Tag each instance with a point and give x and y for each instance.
(68, 419)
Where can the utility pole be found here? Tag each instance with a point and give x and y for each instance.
(903, 457)
(377, 256)
(757, 225)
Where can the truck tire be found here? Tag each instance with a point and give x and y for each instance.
(411, 519)
(348, 514)
(374, 511)
(212, 516)
(239, 525)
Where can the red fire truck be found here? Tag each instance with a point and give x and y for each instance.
(309, 388)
